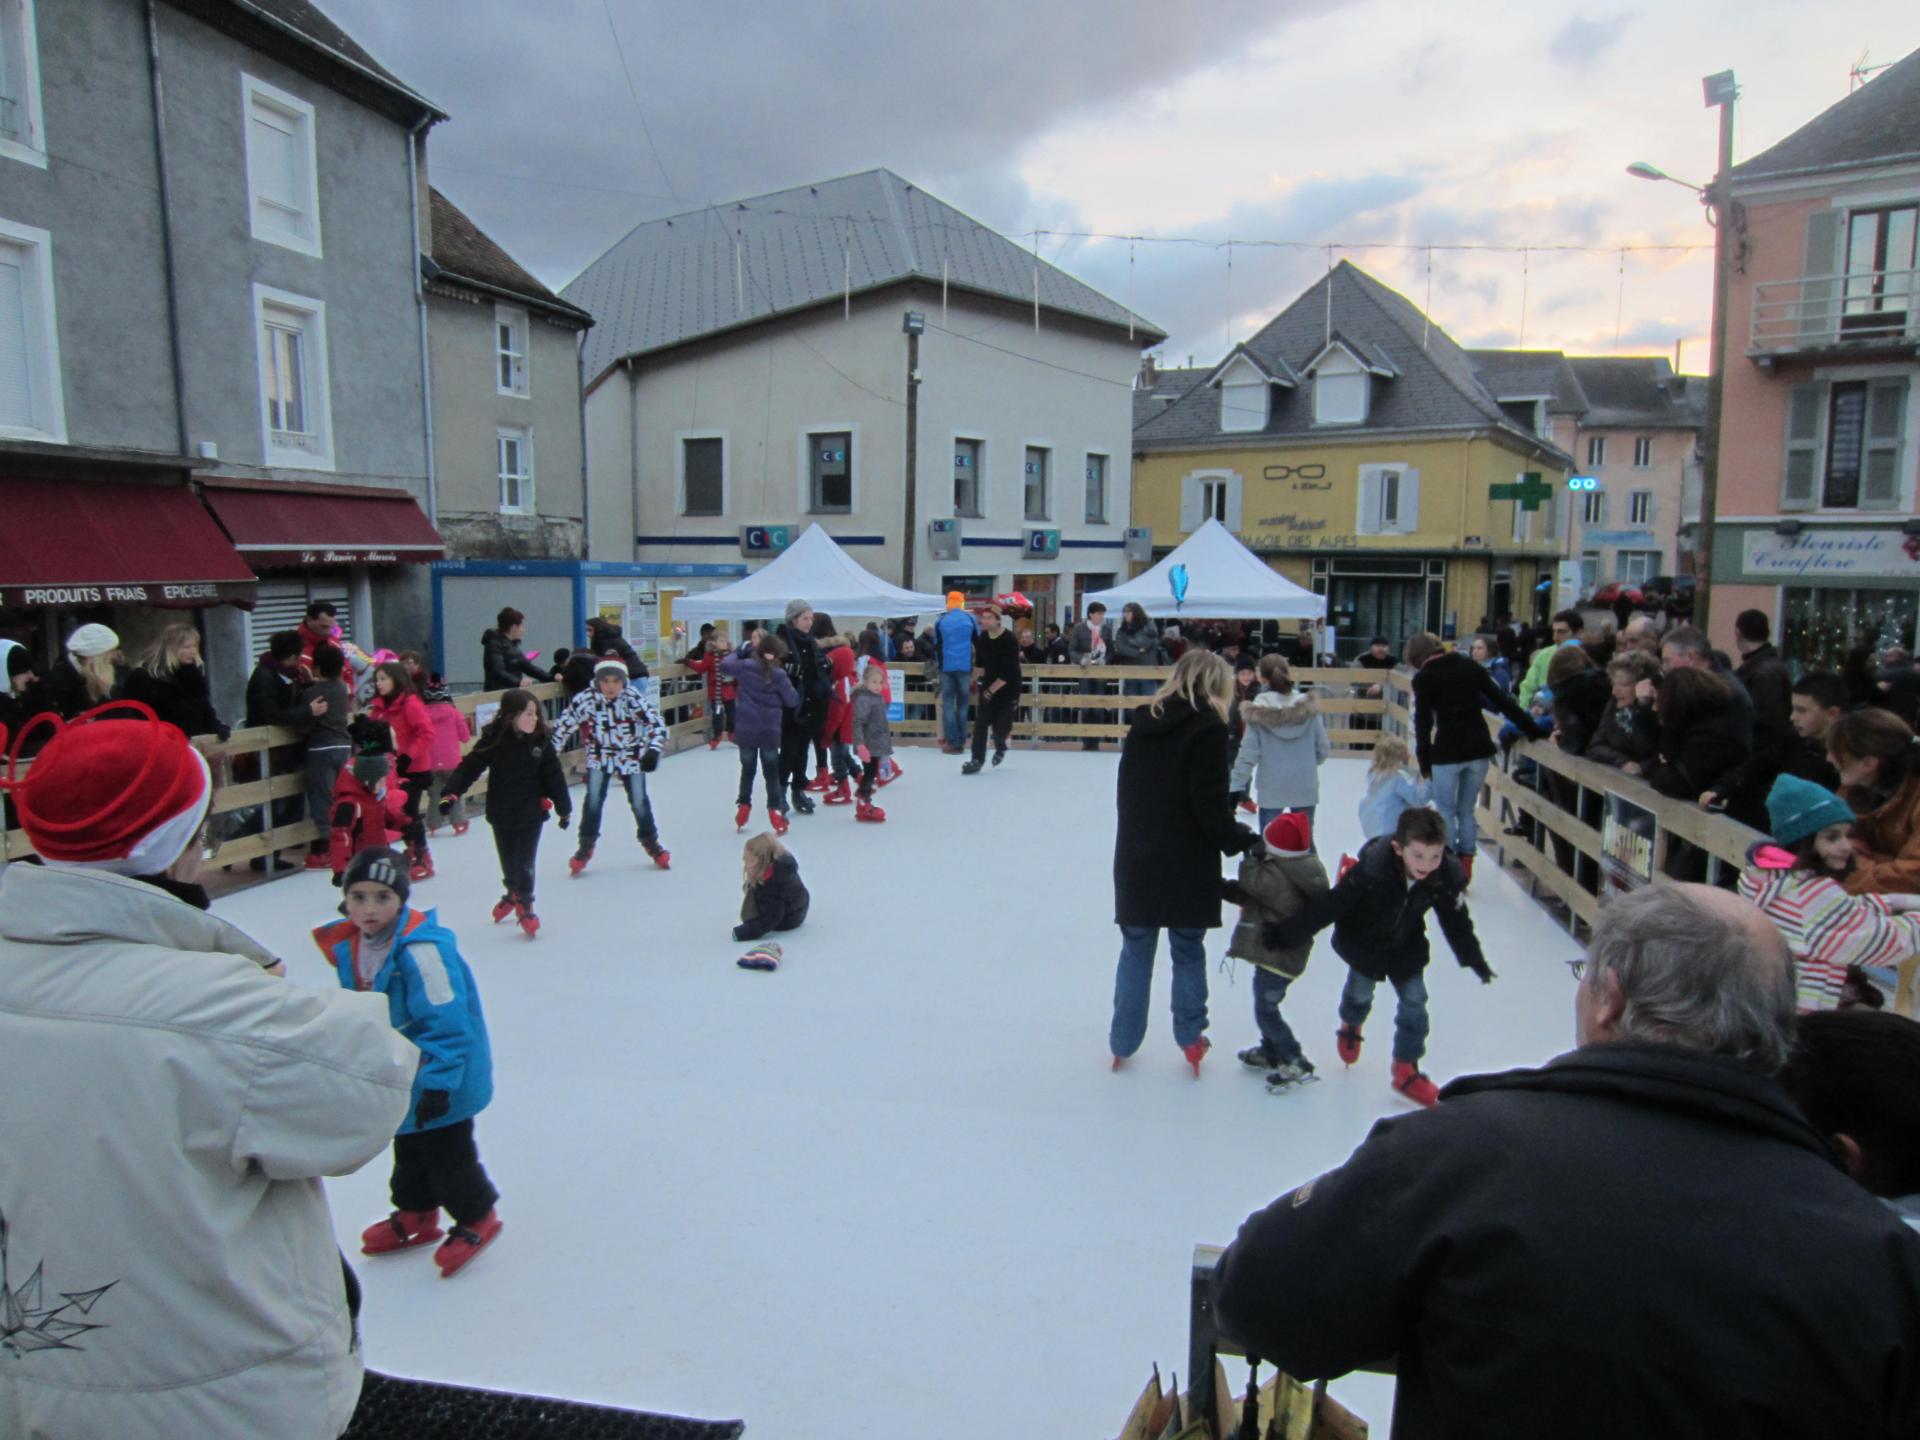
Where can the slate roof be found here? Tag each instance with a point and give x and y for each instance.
(1878, 122)
(462, 251)
(1528, 375)
(1436, 388)
(670, 281)
(1168, 386)
(310, 28)
(1638, 392)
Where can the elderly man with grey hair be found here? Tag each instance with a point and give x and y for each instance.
(1643, 1237)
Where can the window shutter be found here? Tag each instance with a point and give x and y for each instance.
(1880, 474)
(1800, 471)
(1190, 504)
(1407, 517)
(1816, 315)
(1368, 520)
(16, 367)
(1233, 503)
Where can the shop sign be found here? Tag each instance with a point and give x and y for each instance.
(1627, 833)
(1818, 551)
(349, 557)
(178, 593)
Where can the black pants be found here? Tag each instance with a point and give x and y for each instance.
(415, 786)
(518, 846)
(435, 1168)
(795, 743)
(870, 776)
(995, 712)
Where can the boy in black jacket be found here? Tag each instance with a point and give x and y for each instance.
(525, 780)
(1378, 911)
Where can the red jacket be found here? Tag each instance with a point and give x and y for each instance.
(718, 686)
(843, 667)
(361, 818)
(412, 729)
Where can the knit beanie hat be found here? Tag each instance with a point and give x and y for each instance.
(611, 665)
(90, 640)
(1798, 808)
(1289, 833)
(18, 661)
(382, 867)
(795, 609)
(114, 790)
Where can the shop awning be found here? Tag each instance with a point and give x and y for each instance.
(284, 527)
(77, 542)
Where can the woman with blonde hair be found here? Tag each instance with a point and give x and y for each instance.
(1175, 822)
(172, 679)
(87, 676)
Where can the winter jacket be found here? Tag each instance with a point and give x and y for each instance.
(1502, 674)
(1285, 741)
(618, 732)
(432, 1000)
(1629, 733)
(1449, 721)
(842, 675)
(361, 818)
(1746, 786)
(871, 730)
(609, 643)
(451, 731)
(762, 700)
(173, 1108)
(1271, 888)
(412, 731)
(1175, 820)
(521, 771)
(706, 662)
(778, 902)
(1511, 1250)
(505, 665)
(1887, 847)
(1536, 675)
(1080, 647)
(809, 677)
(68, 688)
(953, 636)
(1579, 706)
(997, 657)
(17, 710)
(1826, 928)
(1386, 800)
(327, 731)
(180, 699)
(1137, 646)
(1693, 757)
(1379, 917)
(1768, 683)
(273, 696)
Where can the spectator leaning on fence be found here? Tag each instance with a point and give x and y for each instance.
(1565, 631)
(1879, 762)
(1506, 1250)
(1629, 733)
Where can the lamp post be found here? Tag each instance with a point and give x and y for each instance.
(912, 325)
(1719, 90)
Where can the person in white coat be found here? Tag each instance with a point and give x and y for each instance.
(1283, 747)
(166, 1251)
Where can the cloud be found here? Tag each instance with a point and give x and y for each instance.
(1581, 42)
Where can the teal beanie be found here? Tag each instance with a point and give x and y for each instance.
(1798, 808)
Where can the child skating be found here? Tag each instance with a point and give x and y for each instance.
(525, 780)
(1275, 883)
(624, 737)
(763, 699)
(773, 897)
(872, 739)
(1392, 787)
(368, 808)
(385, 947)
(1378, 910)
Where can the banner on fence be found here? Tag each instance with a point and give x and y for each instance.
(1627, 832)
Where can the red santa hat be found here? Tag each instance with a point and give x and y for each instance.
(115, 790)
(1289, 833)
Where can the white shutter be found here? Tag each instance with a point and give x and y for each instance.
(1190, 513)
(1233, 503)
(1407, 518)
(273, 160)
(16, 361)
(283, 605)
(1818, 314)
(1799, 481)
(1880, 466)
(1367, 520)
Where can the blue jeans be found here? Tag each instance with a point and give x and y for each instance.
(954, 685)
(1133, 986)
(1410, 1021)
(768, 759)
(1269, 989)
(636, 788)
(1266, 819)
(1456, 790)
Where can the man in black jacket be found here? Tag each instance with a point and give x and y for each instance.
(996, 671)
(273, 698)
(605, 640)
(503, 663)
(1642, 1238)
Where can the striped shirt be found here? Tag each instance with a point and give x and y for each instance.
(1827, 929)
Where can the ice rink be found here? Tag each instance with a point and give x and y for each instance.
(893, 1187)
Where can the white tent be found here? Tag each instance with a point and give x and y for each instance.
(813, 569)
(1224, 581)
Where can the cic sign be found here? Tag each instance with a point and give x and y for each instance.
(761, 541)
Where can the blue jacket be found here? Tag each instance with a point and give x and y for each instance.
(1381, 808)
(954, 633)
(432, 1001)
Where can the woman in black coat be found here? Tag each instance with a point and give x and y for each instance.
(1175, 823)
(174, 683)
(1700, 734)
(503, 663)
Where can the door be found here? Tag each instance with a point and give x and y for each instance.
(1043, 591)
(1083, 585)
(1360, 608)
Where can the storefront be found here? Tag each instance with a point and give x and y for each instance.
(1828, 588)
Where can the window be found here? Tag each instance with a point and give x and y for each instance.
(1096, 489)
(1845, 446)
(1640, 508)
(1636, 567)
(515, 449)
(22, 135)
(1589, 571)
(966, 478)
(1340, 399)
(1596, 451)
(510, 347)
(1213, 500)
(1210, 495)
(1880, 270)
(295, 408)
(1039, 464)
(1244, 398)
(1593, 508)
(830, 472)
(283, 183)
(1522, 523)
(1389, 500)
(1642, 451)
(1529, 415)
(702, 475)
(31, 405)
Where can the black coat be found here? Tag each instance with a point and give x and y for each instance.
(609, 643)
(1631, 1241)
(1379, 918)
(68, 688)
(181, 699)
(1579, 706)
(1176, 820)
(506, 665)
(776, 903)
(1769, 686)
(521, 771)
(809, 676)
(1629, 734)
(273, 697)
(1700, 755)
(1450, 725)
(17, 710)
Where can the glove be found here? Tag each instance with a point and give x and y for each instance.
(447, 802)
(402, 766)
(1243, 840)
(1483, 970)
(650, 761)
(565, 821)
(1231, 892)
(433, 1104)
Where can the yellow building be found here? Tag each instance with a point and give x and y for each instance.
(1352, 444)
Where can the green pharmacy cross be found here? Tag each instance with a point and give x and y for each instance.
(1529, 489)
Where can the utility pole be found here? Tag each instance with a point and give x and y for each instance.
(1720, 90)
(912, 325)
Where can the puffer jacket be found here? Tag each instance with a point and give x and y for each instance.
(1272, 887)
(778, 902)
(1286, 743)
(842, 677)
(451, 730)
(505, 665)
(187, 1278)
(1137, 646)
(763, 698)
(870, 728)
(412, 732)
(1379, 916)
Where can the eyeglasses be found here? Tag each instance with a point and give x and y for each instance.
(1578, 967)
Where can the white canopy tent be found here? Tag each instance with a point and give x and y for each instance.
(1224, 581)
(814, 569)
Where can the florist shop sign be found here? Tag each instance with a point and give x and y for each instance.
(1881, 554)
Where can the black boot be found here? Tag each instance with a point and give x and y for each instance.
(972, 767)
(802, 802)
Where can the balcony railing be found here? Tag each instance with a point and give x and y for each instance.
(1864, 308)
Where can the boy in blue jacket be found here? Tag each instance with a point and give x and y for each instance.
(415, 962)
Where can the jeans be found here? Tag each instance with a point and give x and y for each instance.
(323, 771)
(1133, 986)
(636, 788)
(1456, 790)
(1410, 1022)
(953, 706)
(1269, 989)
(768, 759)
(1267, 818)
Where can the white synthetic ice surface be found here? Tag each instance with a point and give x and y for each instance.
(892, 1187)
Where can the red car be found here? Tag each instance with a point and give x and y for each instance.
(1610, 593)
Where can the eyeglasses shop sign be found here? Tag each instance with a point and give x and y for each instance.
(1821, 552)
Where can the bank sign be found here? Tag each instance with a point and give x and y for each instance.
(1820, 552)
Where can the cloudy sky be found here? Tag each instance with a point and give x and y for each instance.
(1386, 123)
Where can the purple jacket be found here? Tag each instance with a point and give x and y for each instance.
(757, 707)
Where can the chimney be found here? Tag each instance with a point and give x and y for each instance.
(1148, 375)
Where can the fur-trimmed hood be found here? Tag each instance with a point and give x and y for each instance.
(1288, 713)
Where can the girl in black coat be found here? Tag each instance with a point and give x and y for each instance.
(1175, 823)
(773, 896)
(525, 780)
(173, 682)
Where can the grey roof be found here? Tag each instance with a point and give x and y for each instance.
(1436, 387)
(318, 45)
(1638, 392)
(464, 253)
(1167, 387)
(674, 280)
(1878, 122)
(1530, 375)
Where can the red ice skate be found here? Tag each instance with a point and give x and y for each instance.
(779, 819)
(867, 810)
(820, 782)
(1196, 1052)
(1408, 1080)
(1347, 1042)
(661, 856)
(420, 863)
(1466, 864)
(402, 1230)
(892, 773)
(318, 862)
(840, 793)
(529, 922)
(579, 861)
(741, 815)
(1119, 1062)
(503, 907)
(465, 1242)
(460, 827)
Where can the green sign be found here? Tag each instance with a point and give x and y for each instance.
(1529, 489)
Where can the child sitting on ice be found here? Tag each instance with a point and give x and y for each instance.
(872, 738)
(1275, 883)
(368, 809)
(1797, 881)
(1378, 910)
(773, 896)
(1392, 787)
(409, 957)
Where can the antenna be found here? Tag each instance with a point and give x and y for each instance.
(1863, 72)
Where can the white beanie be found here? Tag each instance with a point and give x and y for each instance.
(91, 640)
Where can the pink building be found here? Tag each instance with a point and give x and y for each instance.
(1815, 520)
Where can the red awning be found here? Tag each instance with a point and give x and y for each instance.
(77, 542)
(285, 527)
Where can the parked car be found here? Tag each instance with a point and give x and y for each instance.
(1613, 591)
